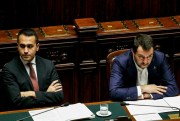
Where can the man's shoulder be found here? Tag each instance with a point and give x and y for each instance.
(158, 55)
(13, 65)
(43, 60)
(125, 59)
(13, 61)
(125, 56)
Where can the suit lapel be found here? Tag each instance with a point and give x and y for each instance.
(39, 70)
(23, 71)
(132, 68)
(152, 69)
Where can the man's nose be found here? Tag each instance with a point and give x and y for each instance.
(26, 50)
(145, 60)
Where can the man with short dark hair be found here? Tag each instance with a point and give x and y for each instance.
(31, 81)
(142, 73)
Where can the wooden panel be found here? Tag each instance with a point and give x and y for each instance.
(147, 23)
(4, 38)
(69, 82)
(113, 26)
(86, 25)
(54, 31)
(168, 22)
(88, 83)
(176, 19)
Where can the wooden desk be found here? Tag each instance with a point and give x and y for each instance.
(88, 104)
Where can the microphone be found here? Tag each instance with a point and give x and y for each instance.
(63, 105)
(124, 104)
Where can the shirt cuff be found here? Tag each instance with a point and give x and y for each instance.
(151, 96)
(139, 93)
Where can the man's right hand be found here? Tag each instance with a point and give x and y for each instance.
(152, 88)
(28, 94)
(55, 86)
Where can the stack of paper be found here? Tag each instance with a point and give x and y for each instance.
(149, 109)
(136, 107)
(68, 113)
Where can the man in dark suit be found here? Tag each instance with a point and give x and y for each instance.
(44, 89)
(142, 73)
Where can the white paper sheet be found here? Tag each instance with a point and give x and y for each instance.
(173, 101)
(147, 117)
(71, 112)
(51, 115)
(151, 106)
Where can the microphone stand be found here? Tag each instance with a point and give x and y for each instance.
(172, 116)
(22, 119)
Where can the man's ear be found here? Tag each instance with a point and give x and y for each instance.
(37, 47)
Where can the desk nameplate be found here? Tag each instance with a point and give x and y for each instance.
(149, 23)
(54, 31)
(114, 26)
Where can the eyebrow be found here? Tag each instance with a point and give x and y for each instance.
(146, 56)
(26, 45)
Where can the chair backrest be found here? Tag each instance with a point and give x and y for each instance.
(110, 58)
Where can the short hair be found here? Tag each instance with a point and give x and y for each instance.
(28, 32)
(143, 40)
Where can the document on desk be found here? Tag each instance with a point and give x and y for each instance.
(68, 113)
(148, 117)
(173, 101)
(150, 109)
(135, 107)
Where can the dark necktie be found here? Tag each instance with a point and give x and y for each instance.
(33, 77)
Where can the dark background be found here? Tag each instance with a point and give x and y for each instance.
(38, 13)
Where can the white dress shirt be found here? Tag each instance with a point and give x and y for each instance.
(27, 67)
(142, 79)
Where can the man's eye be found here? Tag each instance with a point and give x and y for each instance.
(141, 57)
(150, 56)
(29, 46)
(22, 46)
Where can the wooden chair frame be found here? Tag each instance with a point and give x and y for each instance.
(110, 58)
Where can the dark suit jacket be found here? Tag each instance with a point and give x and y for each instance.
(16, 79)
(124, 75)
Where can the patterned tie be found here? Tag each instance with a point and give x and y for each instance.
(33, 77)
